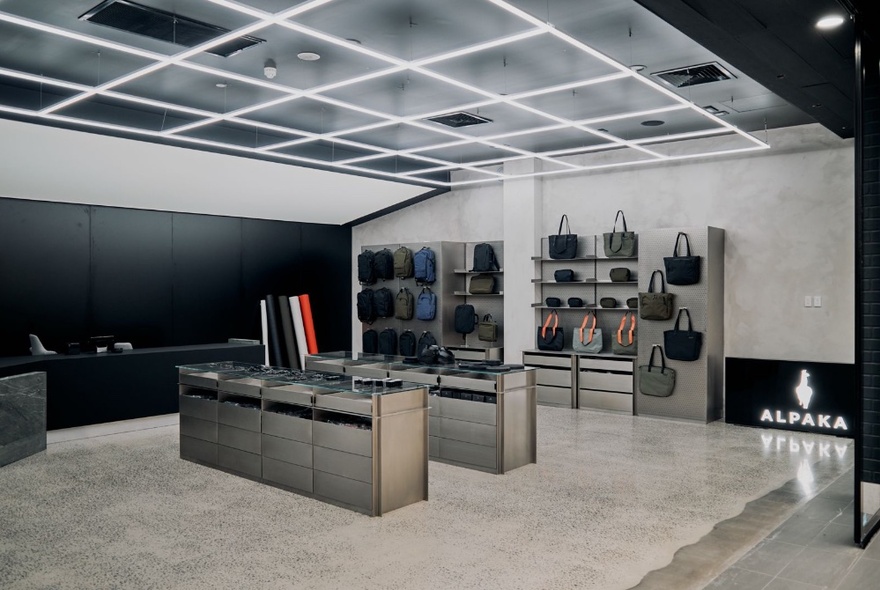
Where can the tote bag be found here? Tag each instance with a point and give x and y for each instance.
(682, 270)
(656, 305)
(587, 339)
(551, 338)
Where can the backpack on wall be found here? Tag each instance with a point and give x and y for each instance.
(370, 341)
(383, 301)
(484, 258)
(426, 305)
(383, 264)
(424, 266)
(366, 307)
(388, 341)
(366, 268)
(403, 263)
(425, 340)
(465, 318)
(403, 305)
(408, 343)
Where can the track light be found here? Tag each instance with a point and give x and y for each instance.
(270, 69)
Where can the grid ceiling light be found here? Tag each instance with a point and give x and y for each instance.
(366, 101)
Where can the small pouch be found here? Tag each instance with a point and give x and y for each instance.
(620, 274)
(608, 302)
(632, 302)
(553, 302)
(575, 302)
(563, 275)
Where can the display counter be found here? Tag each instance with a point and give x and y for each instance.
(327, 436)
(481, 416)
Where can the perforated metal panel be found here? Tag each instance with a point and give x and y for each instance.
(698, 394)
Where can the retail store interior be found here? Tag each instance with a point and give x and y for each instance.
(480, 294)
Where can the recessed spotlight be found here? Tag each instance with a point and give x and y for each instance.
(221, 84)
(637, 67)
(308, 56)
(653, 123)
(832, 21)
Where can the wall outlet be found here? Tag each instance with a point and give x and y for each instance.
(817, 301)
(808, 301)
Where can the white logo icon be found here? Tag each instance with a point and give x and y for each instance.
(803, 391)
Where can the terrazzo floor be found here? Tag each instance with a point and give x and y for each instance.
(611, 498)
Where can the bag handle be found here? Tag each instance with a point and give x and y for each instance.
(632, 328)
(584, 325)
(662, 282)
(488, 318)
(687, 243)
(567, 228)
(550, 316)
(662, 359)
(690, 323)
(623, 217)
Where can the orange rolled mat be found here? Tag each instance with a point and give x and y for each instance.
(308, 323)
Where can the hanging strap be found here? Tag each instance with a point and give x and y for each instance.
(632, 329)
(567, 228)
(662, 359)
(687, 243)
(584, 325)
(550, 316)
(662, 282)
(488, 318)
(622, 217)
(690, 323)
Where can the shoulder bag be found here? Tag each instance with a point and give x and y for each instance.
(563, 275)
(683, 345)
(682, 270)
(587, 339)
(551, 338)
(482, 285)
(656, 305)
(563, 246)
(620, 244)
(656, 381)
(487, 331)
(625, 340)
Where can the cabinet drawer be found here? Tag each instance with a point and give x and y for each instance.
(240, 461)
(287, 427)
(237, 438)
(200, 429)
(198, 450)
(350, 466)
(623, 366)
(287, 474)
(470, 432)
(347, 491)
(469, 411)
(538, 360)
(343, 438)
(555, 377)
(554, 396)
(471, 454)
(605, 400)
(244, 418)
(289, 451)
(609, 381)
(204, 409)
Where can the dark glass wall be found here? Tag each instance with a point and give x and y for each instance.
(161, 279)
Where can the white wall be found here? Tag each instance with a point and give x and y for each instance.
(788, 213)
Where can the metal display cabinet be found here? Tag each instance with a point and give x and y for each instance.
(605, 383)
(479, 419)
(357, 446)
(555, 377)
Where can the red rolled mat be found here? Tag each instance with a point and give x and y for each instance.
(308, 323)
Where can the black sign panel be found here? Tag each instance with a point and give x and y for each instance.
(791, 395)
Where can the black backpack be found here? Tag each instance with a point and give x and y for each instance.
(383, 301)
(425, 340)
(366, 268)
(465, 318)
(388, 341)
(366, 306)
(371, 341)
(484, 258)
(383, 264)
(408, 343)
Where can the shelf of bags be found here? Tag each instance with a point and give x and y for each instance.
(571, 351)
(578, 282)
(462, 271)
(609, 282)
(587, 308)
(466, 294)
(542, 259)
(617, 257)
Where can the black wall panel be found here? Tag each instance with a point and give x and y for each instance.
(326, 261)
(44, 268)
(132, 275)
(208, 292)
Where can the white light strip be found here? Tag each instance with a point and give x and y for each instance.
(479, 47)
(43, 80)
(685, 135)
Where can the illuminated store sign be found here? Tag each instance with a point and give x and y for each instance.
(812, 397)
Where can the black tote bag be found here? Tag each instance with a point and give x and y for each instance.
(563, 246)
(683, 345)
(682, 270)
(551, 338)
(656, 305)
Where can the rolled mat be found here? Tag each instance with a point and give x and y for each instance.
(291, 357)
(276, 357)
(309, 323)
(265, 334)
(299, 330)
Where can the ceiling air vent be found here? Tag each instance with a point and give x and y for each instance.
(164, 26)
(694, 75)
(460, 120)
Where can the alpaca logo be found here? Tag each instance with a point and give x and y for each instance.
(803, 391)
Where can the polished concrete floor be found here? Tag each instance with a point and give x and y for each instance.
(614, 502)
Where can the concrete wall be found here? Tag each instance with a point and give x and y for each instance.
(788, 215)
